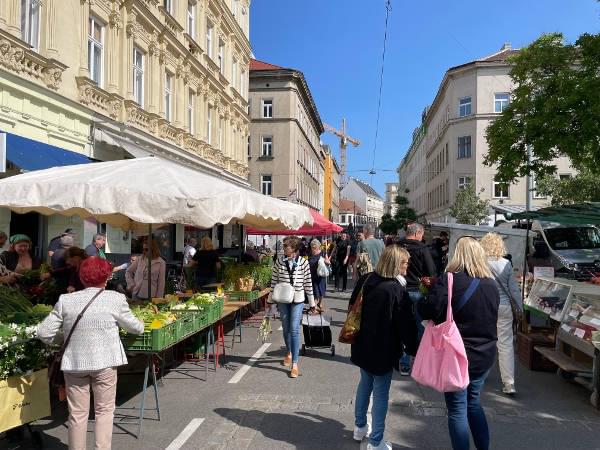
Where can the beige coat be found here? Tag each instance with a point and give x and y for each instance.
(137, 278)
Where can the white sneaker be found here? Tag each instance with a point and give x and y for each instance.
(361, 433)
(509, 388)
(383, 445)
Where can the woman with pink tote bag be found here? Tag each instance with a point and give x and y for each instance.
(474, 304)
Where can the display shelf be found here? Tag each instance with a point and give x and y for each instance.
(553, 296)
(582, 318)
(563, 361)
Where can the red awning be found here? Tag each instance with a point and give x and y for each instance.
(320, 227)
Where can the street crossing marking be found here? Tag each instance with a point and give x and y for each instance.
(246, 367)
(185, 434)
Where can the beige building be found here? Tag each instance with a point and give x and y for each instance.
(331, 185)
(112, 80)
(449, 146)
(366, 198)
(284, 151)
(389, 204)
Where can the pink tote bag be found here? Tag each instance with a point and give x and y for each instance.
(441, 361)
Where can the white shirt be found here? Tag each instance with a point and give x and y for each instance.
(188, 253)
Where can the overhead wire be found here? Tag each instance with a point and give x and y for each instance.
(388, 10)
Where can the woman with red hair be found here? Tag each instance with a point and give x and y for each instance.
(94, 350)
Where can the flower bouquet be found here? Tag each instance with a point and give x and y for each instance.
(425, 284)
(20, 352)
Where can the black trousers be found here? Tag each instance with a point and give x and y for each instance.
(342, 273)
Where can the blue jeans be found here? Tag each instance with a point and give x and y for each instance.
(465, 413)
(291, 316)
(379, 385)
(415, 297)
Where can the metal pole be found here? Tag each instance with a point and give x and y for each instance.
(528, 199)
(150, 241)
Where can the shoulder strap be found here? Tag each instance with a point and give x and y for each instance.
(64, 346)
(468, 293)
(290, 271)
(497, 278)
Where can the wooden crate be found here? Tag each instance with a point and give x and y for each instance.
(529, 357)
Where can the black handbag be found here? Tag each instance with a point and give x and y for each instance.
(56, 376)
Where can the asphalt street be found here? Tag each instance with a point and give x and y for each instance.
(257, 406)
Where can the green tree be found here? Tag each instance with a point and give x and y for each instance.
(581, 188)
(388, 225)
(554, 109)
(468, 208)
(404, 213)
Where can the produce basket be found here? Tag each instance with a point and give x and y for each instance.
(152, 340)
(216, 310)
(242, 296)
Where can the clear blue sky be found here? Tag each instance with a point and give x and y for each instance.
(338, 46)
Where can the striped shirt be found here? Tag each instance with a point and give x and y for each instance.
(302, 280)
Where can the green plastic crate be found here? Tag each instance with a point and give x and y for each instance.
(215, 311)
(242, 296)
(186, 325)
(152, 340)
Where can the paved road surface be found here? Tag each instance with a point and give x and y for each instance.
(267, 410)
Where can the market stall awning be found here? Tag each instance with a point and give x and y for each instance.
(146, 191)
(581, 213)
(320, 227)
(28, 154)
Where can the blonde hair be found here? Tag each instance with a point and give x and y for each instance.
(493, 244)
(469, 257)
(206, 243)
(390, 261)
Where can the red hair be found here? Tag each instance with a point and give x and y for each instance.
(94, 271)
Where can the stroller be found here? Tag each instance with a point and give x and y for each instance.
(317, 332)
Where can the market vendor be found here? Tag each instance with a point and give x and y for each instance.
(96, 248)
(206, 261)
(75, 257)
(19, 258)
(137, 275)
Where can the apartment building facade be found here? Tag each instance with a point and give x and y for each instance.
(331, 191)
(366, 198)
(284, 151)
(111, 80)
(448, 148)
(391, 192)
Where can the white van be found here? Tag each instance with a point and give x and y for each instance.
(572, 249)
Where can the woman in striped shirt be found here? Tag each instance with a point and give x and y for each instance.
(295, 270)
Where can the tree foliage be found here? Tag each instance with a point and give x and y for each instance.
(404, 214)
(554, 109)
(468, 208)
(583, 187)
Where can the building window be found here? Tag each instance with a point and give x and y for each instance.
(534, 193)
(501, 101)
(209, 37)
(96, 50)
(243, 83)
(266, 146)
(191, 20)
(190, 111)
(234, 7)
(267, 109)
(464, 182)
(464, 147)
(209, 126)
(249, 150)
(565, 176)
(220, 133)
(138, 76)
(500, 189)
(234, 73)
(168, 95)
(266, 184)
(30, 22)
(464, 107)
(221, 57)
(168, 5)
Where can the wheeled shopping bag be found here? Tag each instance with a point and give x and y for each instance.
(317, 332)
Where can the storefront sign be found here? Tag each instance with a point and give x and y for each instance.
(546, 272)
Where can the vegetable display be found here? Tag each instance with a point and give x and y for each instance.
(152, 317)
(197, 302)
(260, 273)
(12, 300)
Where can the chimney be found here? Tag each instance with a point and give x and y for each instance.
(505, 46)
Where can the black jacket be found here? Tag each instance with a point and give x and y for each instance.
(420, 264)
(476, 320)
(387, 324)
(10, 259)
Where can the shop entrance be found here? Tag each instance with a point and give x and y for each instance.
(29, 224)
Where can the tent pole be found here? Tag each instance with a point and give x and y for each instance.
(150, 262)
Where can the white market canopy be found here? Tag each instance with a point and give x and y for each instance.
(127, 193)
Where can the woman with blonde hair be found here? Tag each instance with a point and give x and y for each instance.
(475, 302)
(387, 328)
(508, 290)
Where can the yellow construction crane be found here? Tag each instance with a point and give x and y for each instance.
(344, 139)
